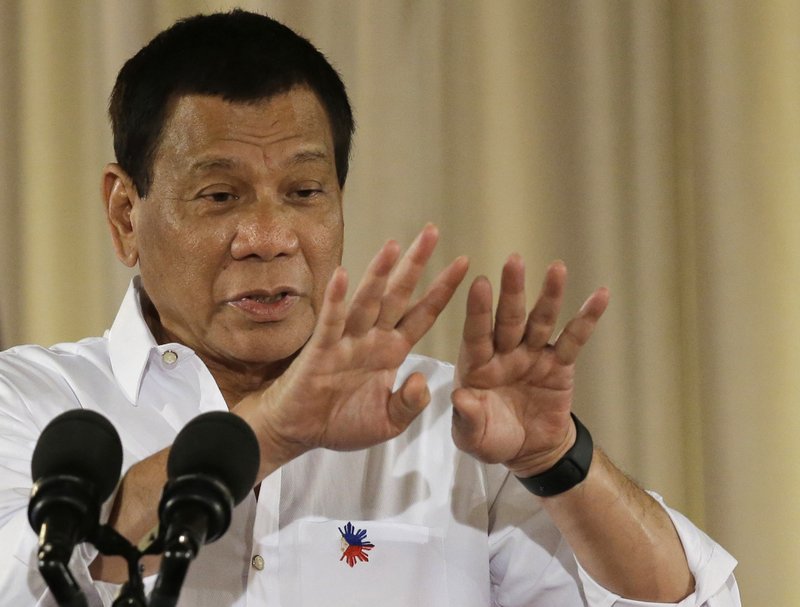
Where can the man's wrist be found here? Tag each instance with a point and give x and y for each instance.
(274, 452)
(568, 471)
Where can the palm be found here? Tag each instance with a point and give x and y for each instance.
(349, 390)
(339, 392)
(515, 390)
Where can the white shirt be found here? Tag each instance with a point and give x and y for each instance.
(444, 529)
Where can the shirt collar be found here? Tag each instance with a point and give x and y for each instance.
(130, 342)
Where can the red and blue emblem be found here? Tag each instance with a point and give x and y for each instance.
(355, 545)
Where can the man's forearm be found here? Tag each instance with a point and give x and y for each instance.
(134, 514)
(621, 536)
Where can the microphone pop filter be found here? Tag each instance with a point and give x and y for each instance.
(79, 443)
(218, 444)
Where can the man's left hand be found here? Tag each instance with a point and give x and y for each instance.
(514, 387)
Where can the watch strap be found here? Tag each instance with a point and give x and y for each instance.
(567, 472)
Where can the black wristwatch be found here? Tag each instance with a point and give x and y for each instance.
(569, 470)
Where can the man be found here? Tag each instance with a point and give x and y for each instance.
(384, 477)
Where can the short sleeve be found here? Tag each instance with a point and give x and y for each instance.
(531, 563)
(711, 565)
(20, 425)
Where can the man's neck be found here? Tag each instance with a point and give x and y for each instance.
(235, 380)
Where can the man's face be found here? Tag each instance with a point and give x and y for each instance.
(242, 226)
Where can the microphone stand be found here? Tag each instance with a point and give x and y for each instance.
(174, 567)
(59, 509)
(178, 553)
(110, 543)
(62, 584)
(55, 571)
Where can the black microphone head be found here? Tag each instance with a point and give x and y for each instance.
(79, 443)
(218, 444)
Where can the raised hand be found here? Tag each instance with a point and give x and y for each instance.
(514, 387)
(338, 393)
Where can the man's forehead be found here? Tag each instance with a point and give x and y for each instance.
(298, 96)
(295, 117)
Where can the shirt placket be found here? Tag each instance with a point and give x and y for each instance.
(263, 580)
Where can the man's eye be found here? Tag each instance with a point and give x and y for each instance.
(220, 196)
(306, 193)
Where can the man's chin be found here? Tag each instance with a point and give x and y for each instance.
(261, 354)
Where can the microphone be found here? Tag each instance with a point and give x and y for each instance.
(75, 466)
(211, 467)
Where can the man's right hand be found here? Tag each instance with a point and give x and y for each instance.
(338, 393)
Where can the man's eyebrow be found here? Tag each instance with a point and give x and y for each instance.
(226, 162)
(310, 155)
(207, 164)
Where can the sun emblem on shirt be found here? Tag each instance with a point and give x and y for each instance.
(355, 545)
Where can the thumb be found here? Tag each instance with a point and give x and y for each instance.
(469, 421)
(409, 401)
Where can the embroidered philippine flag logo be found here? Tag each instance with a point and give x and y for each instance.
(355, 545)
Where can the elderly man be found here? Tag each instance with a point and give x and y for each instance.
(385, 477)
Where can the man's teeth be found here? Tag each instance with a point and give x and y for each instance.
(266, 299)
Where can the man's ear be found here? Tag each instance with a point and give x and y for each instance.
(120, 197)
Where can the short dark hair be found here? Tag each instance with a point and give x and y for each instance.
(239, 56)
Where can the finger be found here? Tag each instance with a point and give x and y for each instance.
(405, 277)
(543, 317)
(331, 319)
(423, 314)
(477, 347)
(578, 330)
(366, 303)
(408, 401)
(509, 326)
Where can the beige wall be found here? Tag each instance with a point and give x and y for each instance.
(652, 145)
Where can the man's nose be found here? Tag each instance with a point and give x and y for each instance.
(265, 229)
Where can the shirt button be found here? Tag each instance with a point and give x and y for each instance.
(258, 562)
(169, 357)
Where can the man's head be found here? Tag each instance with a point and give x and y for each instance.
(239, 56)
(232, 135)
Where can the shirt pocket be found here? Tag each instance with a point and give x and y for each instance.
(350, 563)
